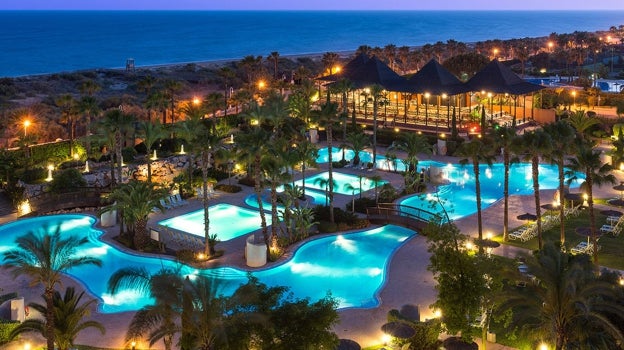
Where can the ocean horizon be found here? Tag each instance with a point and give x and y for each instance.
(43, 42)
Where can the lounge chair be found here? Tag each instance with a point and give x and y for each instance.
(179, 199)
(164, 204)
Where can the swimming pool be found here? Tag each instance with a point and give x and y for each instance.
(458, 196)
(365, 157)
(332, 263)
(226, 220)
(345, 183)
(312, 198)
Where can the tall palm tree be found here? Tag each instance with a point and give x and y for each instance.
(45, 256)
(203, 313)
(344, 86)
(569, 306)
(274, 57)
(358, 141)
(253, 146)
(161, 319)
(376, 93)
(214, 102)
(588, 162)
(504, 138)
(300, 101)
(150, 132)
(532, 146)
(412, 144)
(135, 200)
(187, 130)
(562, 135)
(117, 123)
(274, 174)
(326, 116)
(170, 91)
(88, 105)
(67, 104)
(306, 153)
(68, 318)
(476, 152)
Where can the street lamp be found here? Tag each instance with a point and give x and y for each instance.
(495, 51)
(26, 125)
(427, 95)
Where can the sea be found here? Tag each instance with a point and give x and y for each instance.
(42, 42)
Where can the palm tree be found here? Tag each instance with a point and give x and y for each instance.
(300, 101)
(187, 130)
(376, 180)
(532, 145)
(376, 92)
(326, 184)
(582, 123)
(135, 200)
(344, 86)
(562, 136)
(170, 89)
(159, 101)
(117, 123)
(203, 313)
(504, 138)
(214, 102)
(329, 60)
(88, 105)
(274, 57)
(159, 320)
(326, 116)
(306, 154)
(358, 141)
(476, 152)
(68, 318)
(412, 144)
(570, 306)
(272, 167)
(150, 132)
(45, 256)
(67, 104)
(252, 145)
(588, 162)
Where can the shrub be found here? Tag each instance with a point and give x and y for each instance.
(362, 203)
(128, 154)
(229, 188)
(33, 175)
(327, 227)
(6, 327)
(67, 180)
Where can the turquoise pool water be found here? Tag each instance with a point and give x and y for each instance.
(333, 263)
(458, 196)
(342, 180)
(226, 220)
(313, 198)
(365, 157)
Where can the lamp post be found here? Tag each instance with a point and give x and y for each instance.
(427, 95)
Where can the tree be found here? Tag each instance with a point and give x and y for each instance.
(68, 318)
(460, 277)
(504, 138)
(412, 144)
(376, 92)
(116, 123)
(358, 141)
(326, 117)
(476, 152)
(569, 307)
(135, 200)
(562, 135)
(274, 175)
(170, 90)
(274, 57)
(44, 256)
(67, 104)
(89, 106)
(532, 146)
(161, 319)
(150, 132)
(588, 162)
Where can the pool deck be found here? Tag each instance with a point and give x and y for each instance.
(408, 281)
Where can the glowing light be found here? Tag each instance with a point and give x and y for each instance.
(76, 156)
(346, 244)
(488, 235)
(543, 346)
(466, 176)
(182, 150)
(621, 166)
(621, 281)
(254, 122)
(86, 169)
(469, 245)
(396, 129)
(201, 256)
(27, 346)
(154, 157)
(385, 339)
(437, 313)
(261, 84)
(337, 69)
(196, 101)
(488, 173)
(50, 169)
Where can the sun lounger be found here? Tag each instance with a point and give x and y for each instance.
(164, 204)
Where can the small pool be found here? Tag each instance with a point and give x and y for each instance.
(458, 196)
(226, 220)
(382, 162)
(331, 264)
(345, 183)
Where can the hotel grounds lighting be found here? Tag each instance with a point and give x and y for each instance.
(427, 95)
(50, 169)
(196, 101)
(26, 125)
(573, 98)
(550, 46)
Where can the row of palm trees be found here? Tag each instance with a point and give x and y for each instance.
(565, 143)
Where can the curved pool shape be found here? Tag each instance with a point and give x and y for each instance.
(342, 180)
(459, 197)
(332, 263)
(381, 162)
(226, 220)
(313, 198)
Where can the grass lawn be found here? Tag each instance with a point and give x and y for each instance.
(610, 253)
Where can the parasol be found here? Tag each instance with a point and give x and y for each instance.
(617, 202)
(611, 212)
(574, 197)
(549, 206)
(398, 330)
(620, 188)
(527, 217)
(348, 344)
(585, 231)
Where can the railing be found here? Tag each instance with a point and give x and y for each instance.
(403, 215)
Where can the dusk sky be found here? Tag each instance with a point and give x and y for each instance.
(309, 5)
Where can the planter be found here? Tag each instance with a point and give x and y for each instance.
(255, 252)
(108, 219)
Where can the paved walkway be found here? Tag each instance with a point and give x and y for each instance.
(408, 280)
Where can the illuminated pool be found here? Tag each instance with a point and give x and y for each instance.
(345, 183)
(366, 157)
(226, 220)
(313, 198)
(333, 263)
(458, 196)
